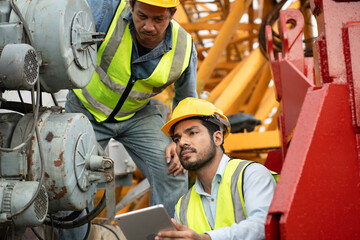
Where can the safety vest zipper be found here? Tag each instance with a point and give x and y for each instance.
(122, 99)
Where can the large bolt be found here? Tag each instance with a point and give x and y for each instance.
(100, 162)
(108, 164)
(109, 178)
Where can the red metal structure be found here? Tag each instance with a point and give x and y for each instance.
(318, 193)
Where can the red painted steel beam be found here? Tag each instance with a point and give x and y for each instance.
(331, 17)
(318, 192)
(292, 45)
(294, 87)
(291, 72)
(351, 34)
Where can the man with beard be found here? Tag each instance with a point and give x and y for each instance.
(144, 51)
(231, 197)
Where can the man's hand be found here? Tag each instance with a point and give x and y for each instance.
(182, 232)
(175, 166)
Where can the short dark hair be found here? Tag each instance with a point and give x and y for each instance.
(210, 126)
(172, 9)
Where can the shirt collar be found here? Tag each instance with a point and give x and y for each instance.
(167, 43)
(218, 175)
(221, 168)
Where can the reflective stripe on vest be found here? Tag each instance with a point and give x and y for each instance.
(108, 83)
(275, 176)
(228, 210)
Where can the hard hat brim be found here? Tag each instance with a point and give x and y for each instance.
(167, 127)
(159, 4)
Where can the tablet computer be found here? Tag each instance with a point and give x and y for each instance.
(145, 223)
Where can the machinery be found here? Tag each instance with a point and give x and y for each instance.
(49, 160)
(313, 138)
(318, 192)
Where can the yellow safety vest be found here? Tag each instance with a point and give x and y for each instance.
(190, 210)
(113, 71)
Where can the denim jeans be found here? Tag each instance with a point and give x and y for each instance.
(74, 233)
(142, 137)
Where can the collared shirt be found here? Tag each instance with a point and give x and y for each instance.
(259, 187)
(103, 12)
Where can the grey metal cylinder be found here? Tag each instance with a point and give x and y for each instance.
(52, 24)
(19, 68)
(16, 194)
(67, 141)
(8, 122)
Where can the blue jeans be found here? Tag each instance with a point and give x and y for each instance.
(74, 233)
(142, 137)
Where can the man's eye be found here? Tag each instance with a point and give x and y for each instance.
(175, 140)
(193, 133)
(158, 20)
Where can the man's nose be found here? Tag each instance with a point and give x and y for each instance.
(149, 25)
(184, 141)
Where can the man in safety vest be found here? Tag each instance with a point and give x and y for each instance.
(231, 197)
(143, 52)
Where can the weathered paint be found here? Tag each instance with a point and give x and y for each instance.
(49, 137)
(60, 194)
(59, 162)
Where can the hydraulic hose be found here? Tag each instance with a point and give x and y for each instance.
(82, 220)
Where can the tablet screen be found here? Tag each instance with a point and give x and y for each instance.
(144, 223)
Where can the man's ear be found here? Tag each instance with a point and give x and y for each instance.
(131, 7)
(173, 14)
(218, 138)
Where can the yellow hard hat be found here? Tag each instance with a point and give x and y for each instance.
(162, 3)
(193, 107)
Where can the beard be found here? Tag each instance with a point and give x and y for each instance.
(201, 159)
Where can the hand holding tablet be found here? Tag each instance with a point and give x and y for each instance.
(145, 223)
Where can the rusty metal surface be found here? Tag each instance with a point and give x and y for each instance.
(51, 25)
(59, 134)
